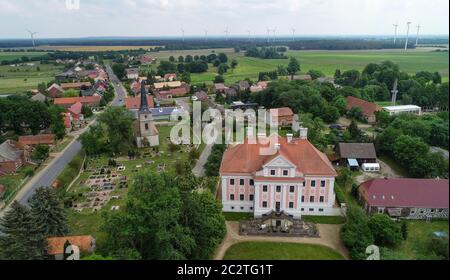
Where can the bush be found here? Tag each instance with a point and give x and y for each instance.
(439, 246)
(356, 234)
(385, 231)
(340, 196)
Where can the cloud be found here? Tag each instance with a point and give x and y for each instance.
(165, 17)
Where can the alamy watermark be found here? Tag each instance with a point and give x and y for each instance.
(72, 4)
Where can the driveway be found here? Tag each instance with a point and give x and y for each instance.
(329, 236)
(199, 169)
(386, 172)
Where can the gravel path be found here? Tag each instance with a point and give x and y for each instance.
(329, 236)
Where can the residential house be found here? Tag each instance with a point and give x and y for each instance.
(220, 88)
(173, 92)
(231, 91)
(300, 78)
(76, 111)
(13, 155)
(368, 109)
(260, 86)
(55, 91)
(134, 103)
(146, 60)
(281, 116)
(403, 109)
(243, 86)
(165, 85)
(355, 155)
(56, 245)
(283, 175)
(39, 97)
(132, 73)
(85, 100)
(170, 77)
(406, 198)
(202, 96)
(67, 117)
(76, 86)
(68, 75)
(34, 140)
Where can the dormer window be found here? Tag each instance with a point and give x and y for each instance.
(374, 196)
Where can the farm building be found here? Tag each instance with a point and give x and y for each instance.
(409, 109)
(368, 109)
(77, 86)
(281, 116)
(85, 100)
(406, 198)
(13, 155)
(354, 155)
(132, 74)
(33, 140)
(55, 91)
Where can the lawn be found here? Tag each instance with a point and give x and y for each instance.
(280, 251)
(88, 222)
(325, 61)
(14, 182)
(416, 245)
(23, 78)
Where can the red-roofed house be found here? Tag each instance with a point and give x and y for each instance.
(173, 92)
(284, 175)
(77, 85)
(281, 116)
(368, 108)
(55, 91)
(33, 140)
(85, 243)
(407, 198)
(85, 100)
(134, 103)
(170, 77)
(76, 111)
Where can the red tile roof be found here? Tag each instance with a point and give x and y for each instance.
(76, 108)
(72, 100)
(423, 193)
(135, 102)
(246, 158)
(170, 76)
(75, 85)
(46, 139)
(281, 112)
(368, 108)
(86, 243)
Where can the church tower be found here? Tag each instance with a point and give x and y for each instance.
(148, 134)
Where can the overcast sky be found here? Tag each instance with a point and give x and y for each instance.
(52, 19)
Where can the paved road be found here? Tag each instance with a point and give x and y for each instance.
(121, 92)
(49, 174)
(199, 169)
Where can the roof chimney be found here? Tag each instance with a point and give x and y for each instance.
(290, 136)
(303, 133)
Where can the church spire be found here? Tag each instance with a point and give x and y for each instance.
(144, 103)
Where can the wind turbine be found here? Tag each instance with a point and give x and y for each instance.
(395, 32)
(417, 38)
(274, 33)
(249, 34)
(293, 34)
(32, 37)
(407, 34)
(182, 34)
(394, 92)
(226, 33)
(206, 35)
(268, 34)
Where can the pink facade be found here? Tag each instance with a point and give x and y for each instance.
(284, 182)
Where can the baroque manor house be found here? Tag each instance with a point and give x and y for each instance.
(296, 179)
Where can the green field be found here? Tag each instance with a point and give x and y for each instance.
(17, 55)
(416, 246)
(280, 251)
(24, 78)
(325, 61)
